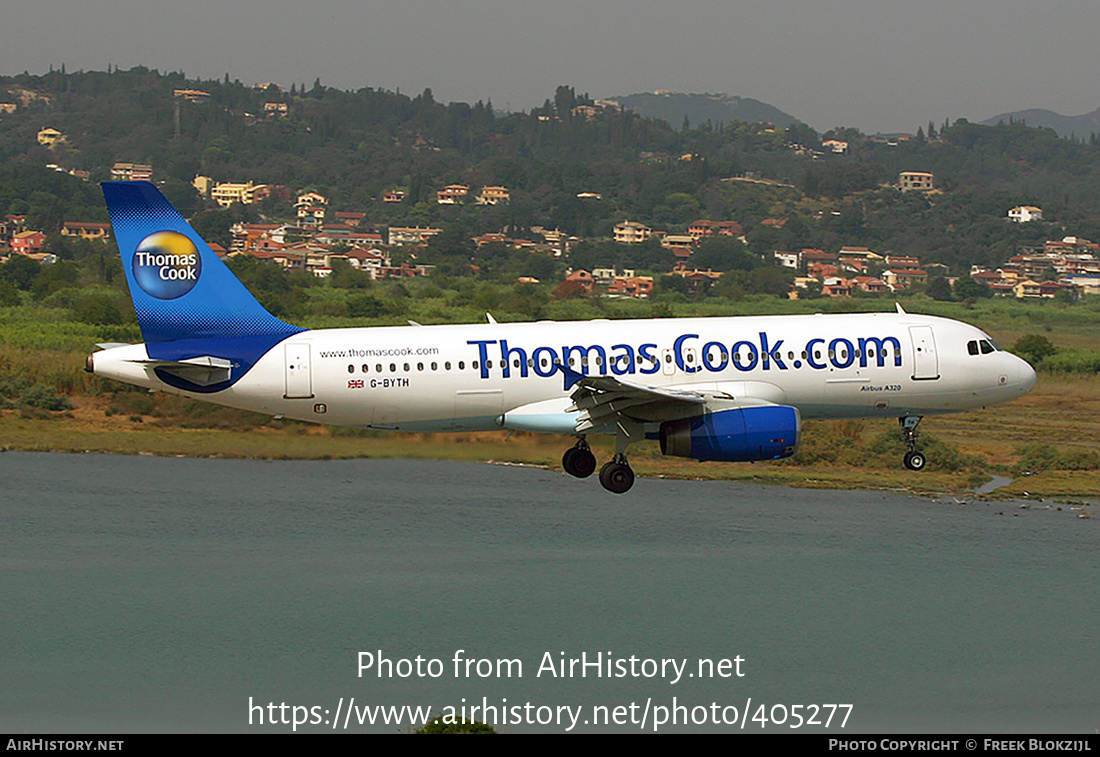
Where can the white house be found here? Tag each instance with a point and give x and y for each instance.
(1025, 213)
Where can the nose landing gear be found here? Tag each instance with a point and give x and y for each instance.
(914, 459)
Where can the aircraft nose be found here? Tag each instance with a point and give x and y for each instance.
(1025, 375)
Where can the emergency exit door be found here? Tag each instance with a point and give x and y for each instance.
(299, 381)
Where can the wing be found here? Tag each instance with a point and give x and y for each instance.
(600, 400)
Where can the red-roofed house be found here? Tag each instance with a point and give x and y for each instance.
(703, 228)
(28, 242)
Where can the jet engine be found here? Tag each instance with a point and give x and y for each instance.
(764, 432)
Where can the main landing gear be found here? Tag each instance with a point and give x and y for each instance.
(616, 476)
(578, 460)
(914, 459)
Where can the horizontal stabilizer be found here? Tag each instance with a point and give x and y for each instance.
(201, 371)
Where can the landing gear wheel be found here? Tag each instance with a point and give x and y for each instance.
(914, 459)
(617, 477)
(579, 461)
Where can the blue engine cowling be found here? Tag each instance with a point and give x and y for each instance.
(766, 432)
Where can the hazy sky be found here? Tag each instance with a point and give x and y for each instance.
(874, 64)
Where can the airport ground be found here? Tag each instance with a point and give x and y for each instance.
(1030, 441)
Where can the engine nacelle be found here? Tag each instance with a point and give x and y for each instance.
(765, 432)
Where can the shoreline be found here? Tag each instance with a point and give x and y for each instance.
(76, 435)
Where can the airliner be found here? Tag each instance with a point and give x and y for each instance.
(726, 389)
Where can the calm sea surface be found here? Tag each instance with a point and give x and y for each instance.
(161, 594)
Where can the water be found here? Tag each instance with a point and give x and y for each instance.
(160, 594)
(993, 484)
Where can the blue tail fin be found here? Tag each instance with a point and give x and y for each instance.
(180, 288)
(188, 303)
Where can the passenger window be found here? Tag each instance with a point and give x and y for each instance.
(351, 369)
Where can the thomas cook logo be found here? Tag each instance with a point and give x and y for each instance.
(167, 265)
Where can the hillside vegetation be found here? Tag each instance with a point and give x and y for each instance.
(355, 145)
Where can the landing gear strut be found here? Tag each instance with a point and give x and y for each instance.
(617, 476)
(914, 459)
(578, 460)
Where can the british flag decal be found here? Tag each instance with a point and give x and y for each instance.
(355, 384)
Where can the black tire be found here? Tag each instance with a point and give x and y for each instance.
(617, 478)
(915, 460)
(578, 462)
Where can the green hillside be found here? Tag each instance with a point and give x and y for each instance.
(355, 145)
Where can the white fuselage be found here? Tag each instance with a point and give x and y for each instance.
(485, 376)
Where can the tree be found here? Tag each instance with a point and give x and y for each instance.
(450, 724)
(564, 100)
(1034, 348)
(722, 253)
(939, 289)
(20, 271)
(967, 288)
(812, 290)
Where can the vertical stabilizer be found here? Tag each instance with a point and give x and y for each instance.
(189, 304)
(180, 289)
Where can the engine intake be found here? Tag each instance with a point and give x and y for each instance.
(766, 432)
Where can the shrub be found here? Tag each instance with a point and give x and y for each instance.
(42, 397)
(1036, 458)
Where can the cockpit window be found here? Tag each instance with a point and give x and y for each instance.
(982, 346)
